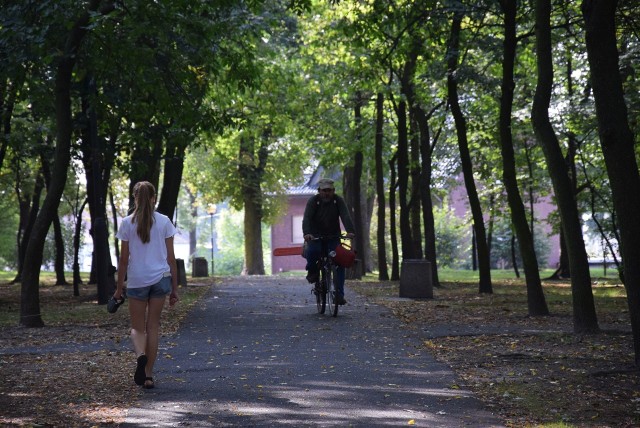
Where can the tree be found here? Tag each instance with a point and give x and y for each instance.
(617, 143)
(535, 296)
(484, 262)
(584, 314)
(30, 300)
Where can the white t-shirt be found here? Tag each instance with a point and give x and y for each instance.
(147, 262)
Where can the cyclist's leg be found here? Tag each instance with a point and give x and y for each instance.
(313, 254)
(339, 275)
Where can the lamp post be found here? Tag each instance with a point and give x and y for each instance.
(212, 210)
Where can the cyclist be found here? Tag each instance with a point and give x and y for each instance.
(322, 216)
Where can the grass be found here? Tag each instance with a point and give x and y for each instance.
(58, 305)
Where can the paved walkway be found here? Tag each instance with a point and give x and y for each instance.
(255, 353)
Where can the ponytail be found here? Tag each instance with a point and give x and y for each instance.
(144, 195)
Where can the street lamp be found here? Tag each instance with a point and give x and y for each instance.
(211, 209)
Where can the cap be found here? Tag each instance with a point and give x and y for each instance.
(325, 183)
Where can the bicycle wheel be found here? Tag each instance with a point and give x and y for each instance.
(331, 292)
(318, 294)
(321, 293)
(333, 308)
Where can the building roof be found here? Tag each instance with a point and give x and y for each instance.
(310, 186)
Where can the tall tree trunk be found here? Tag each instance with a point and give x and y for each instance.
(536, 302)
(173, 168)
(415, 202)
(492, 216)
(383, 272)
(395, 258)
(251, 171)
(114, 218)
(484, 264)
(584, 314)
(28, 214)
(193, 241)
(426, 155)
(514, 259)
(353, 192)
(617, 143)
(11, 87)
(97, 173)
(77, 280)
(145, 162)
(408, 160)
(59, 257)
(30, 292)
(57, 228)
(402, 165)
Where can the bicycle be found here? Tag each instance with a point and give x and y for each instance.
(325, 288)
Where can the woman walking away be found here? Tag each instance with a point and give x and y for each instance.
(148, 260)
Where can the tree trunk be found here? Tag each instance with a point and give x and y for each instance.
(403, 182)
(415, 202)
(77, 280)
(484, 264)
(395, 258)
(584, 315)
(97, 174)
(57, 228)
(145, 162)
(10, 90)
(30, 292)
(617, 143)
(59, 257)
(536, 302)
(251, 173)
(352, 182)
(28, 214)
(173, 168)
(114, 218)
(408, 153)
(193, 241)
(514, 261)
(426, 154)
(383, 272)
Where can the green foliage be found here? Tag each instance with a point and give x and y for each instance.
(452, 238)
(8, 226)
(501, 254)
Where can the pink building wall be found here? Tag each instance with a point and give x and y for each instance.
(282, 236)
(285, 234)
(459, 202)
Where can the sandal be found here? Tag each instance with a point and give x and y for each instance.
(140, 375)
(148, 383)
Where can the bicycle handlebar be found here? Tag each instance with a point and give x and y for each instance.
(326, 237)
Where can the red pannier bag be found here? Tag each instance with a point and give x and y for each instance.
(345, 255)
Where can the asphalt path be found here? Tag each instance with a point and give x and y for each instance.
(254, 352)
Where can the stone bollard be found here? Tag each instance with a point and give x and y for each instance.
(415, 279)
(182, 272)
(200, 267)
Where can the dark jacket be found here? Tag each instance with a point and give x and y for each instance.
(323, 218)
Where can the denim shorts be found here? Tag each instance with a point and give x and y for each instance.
(160, 289)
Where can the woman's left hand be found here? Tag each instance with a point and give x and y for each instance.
(173, 299)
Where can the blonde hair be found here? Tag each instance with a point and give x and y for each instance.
(144, 196)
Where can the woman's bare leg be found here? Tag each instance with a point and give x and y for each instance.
(138, 312)
(153, 332)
